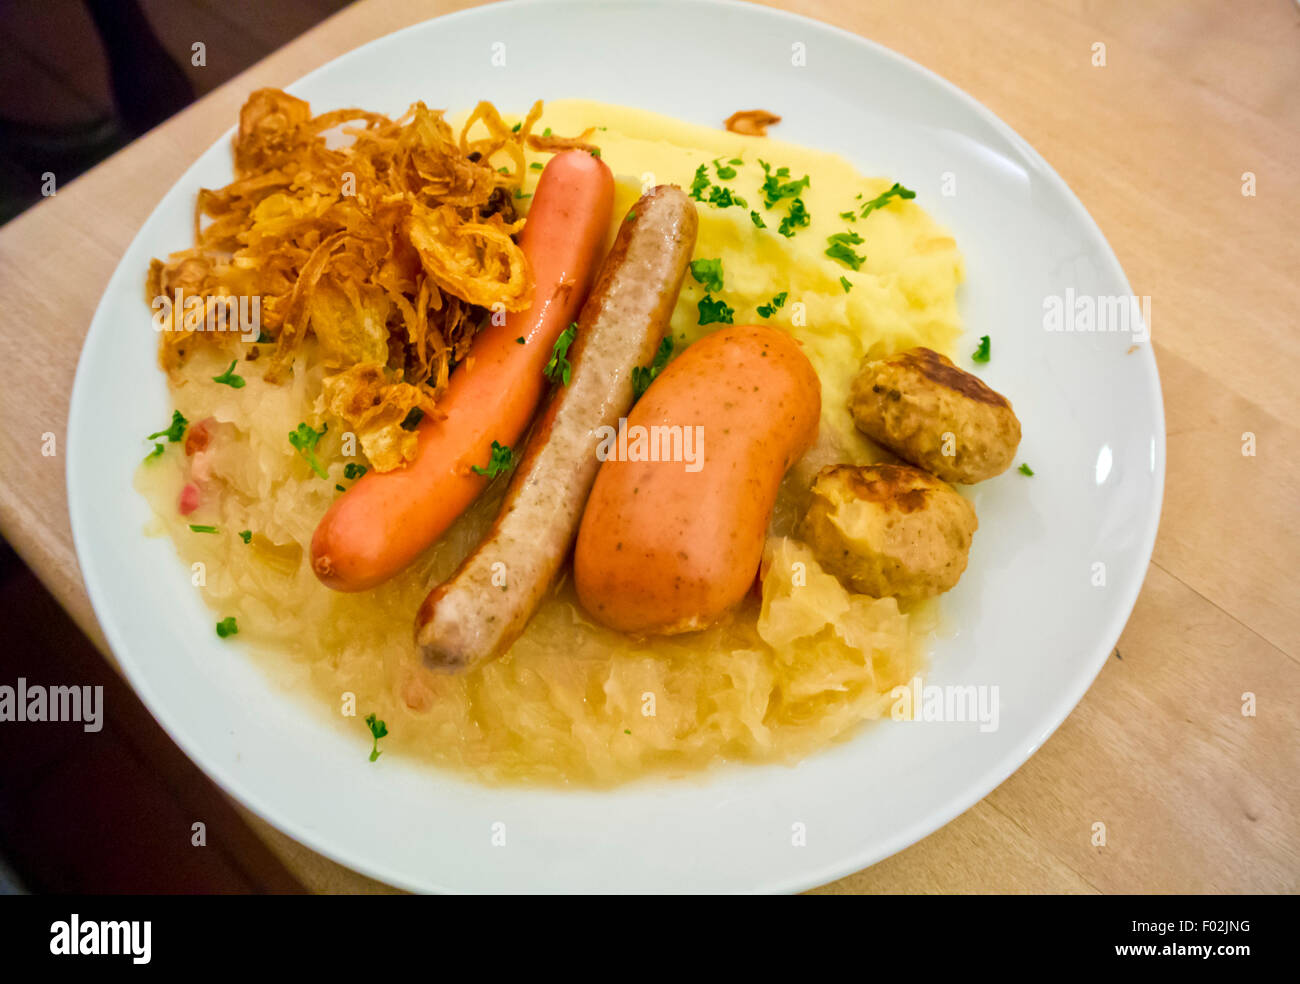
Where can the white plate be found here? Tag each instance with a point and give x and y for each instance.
(1029, 618)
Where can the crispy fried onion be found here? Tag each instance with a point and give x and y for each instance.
(388, 250)
(751, 122)
(553, 145)
(375, 405)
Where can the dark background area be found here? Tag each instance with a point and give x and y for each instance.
(112, 811)
(81, 78)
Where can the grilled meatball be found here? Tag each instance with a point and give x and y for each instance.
(889, 530)
(936, 416)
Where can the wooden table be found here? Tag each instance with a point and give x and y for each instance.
(1195, 796)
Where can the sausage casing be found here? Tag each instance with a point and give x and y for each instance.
(666, 547)
(479, 612)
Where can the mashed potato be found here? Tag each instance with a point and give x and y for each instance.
(572, 701)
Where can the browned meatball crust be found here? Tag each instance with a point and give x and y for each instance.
(935, 416)
(889, 530)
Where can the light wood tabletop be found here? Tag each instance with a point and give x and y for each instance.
(1194, 104)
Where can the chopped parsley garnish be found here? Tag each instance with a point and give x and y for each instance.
(520, 195)
(701, 183)
(521, 340)
(631, 216)
(503, 170)
(536, 166)
(173, 433)
(849, 216)
(1025, 470)
(643, 376)
(714, 310)
(795, 219)
(378, 729)
(704, 190)
(774, 188)
(844, 282)
(981, 354)
(502, 460)
(246, 535)
(230, 377)
(777, 187)
(757, 220)
(558, 368)
(708, 273)
(340, 488)
(227, 627)
(883, 199)
(840, 249)
(721, 197)
(196, 528)
(515, 128)
(305, 439)
(725, 172)
(352, 470)
(412, 419)
(768, 309)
